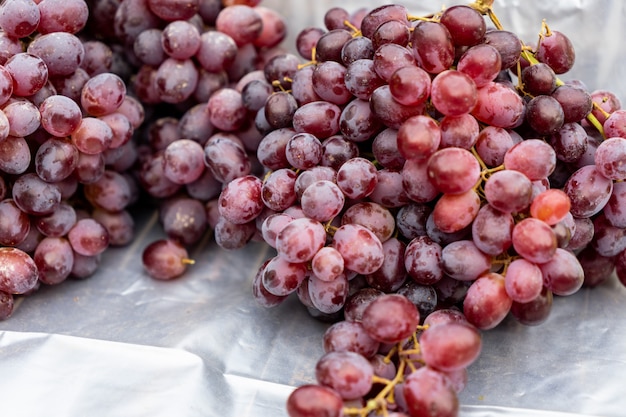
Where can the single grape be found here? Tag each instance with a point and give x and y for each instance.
(165, 259)
(314, 400)
(19, 273)
(390, 318)
(361, 250)
(429, 393)
(487, 303)
(450, 346)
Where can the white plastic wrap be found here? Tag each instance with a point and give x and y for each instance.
(123, 344)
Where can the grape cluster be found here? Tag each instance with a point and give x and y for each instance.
(418, 167)
(66, 124)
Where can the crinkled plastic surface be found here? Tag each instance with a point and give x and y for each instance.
(123, 344)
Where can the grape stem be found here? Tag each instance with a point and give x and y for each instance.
(386, 394)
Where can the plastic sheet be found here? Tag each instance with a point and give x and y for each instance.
(123, 344)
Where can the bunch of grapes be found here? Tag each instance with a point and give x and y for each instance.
(66, 124)
(105, 104)
(422, 179)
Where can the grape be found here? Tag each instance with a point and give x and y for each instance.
(314, 400)
(556, 50)
(15, 155)
(328, 297)
(491, 230)
(184, 220)
(429, 393)
(328, 80)
(433, 46)
(358, 301)
(180, 39)
(423, 296)
(455, 260)
(551, 206)
(454, 212)
(327, 264)
(588, 190)
(613, 210)
(466, 25)
(278, 189)
(357, 123)
(523, 281)
(23, 117)
(487, 303)
(14, 224)
(120, 226)
(176, 79)
(281, 277)
(62, 16)
(54, 258)
(575, 101)
(6, 305)
(418, 137)
(492, 144)
(609, 158)
(330, 44)
(532, 157)
(19, 18)
(422, 260)
(165, 259)
(608, 240)
(88, 237)
(392, 274)
(533, 312)
(61, 52)
(390, 318)
(361, 250)
(357, 178)
(293, 247)
(240, 201)
(60, 115)
(35, 196)
(544, 114)
(569, 142)
(348, 373)
(453, 93)
(279, 109)
(390, 57)
(59, 222)
(361, 78)
(19, 273)
(534, 239)
(499, 106)
(312, 175)
(453, 170)
(356, 48)
(375, 17)
(318, 118)
(563, 274)
(450, 346)
(481, 62)
(322, 200)
(539, 79)
(371, 215)
(607, 102)
(230, 236)
(98, 57)
(509, 191)
(392, 113)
